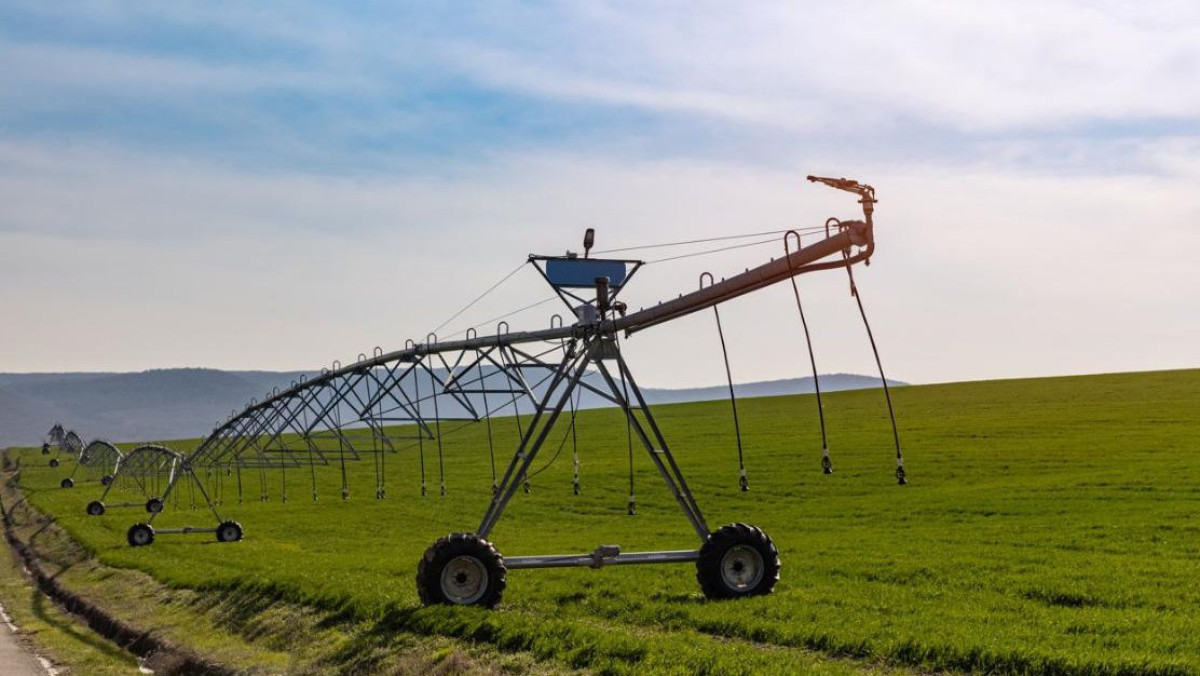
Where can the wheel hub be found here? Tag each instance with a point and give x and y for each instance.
(464, 580)
(742, 568)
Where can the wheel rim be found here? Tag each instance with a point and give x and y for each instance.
(228, 533)
(742, 568)
(141, 536)
(464, 580)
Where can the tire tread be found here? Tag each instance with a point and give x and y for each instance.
(441, 552)
(708, 566)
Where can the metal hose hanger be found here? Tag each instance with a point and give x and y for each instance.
(262, 482)
(568, 433)
(487, 413)
(379, 445)
(384, 444)
(262, 470)
(743, 482)
(312, 461)
(283, 480)
(384, 447)
(376, 432)
(632, 506)
(508, 361)
(901, 475)
(420, 421)
(826, 460)
(575, 486)
(431, 339)
(337, 417)
(574, 403)
(238, 471)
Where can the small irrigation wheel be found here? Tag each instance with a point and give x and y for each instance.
(461, 569)
(95, 508)
(140, 535)
(229, 531)
(737, 560)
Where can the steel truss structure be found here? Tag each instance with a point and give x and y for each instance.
(99, 461)
(65, 442)
(341, 414)
(153, 472)
(54, 438)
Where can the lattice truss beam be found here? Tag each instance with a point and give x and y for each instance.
(385, 404)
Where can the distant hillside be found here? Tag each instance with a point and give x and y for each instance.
(768, 388)
(180, 403)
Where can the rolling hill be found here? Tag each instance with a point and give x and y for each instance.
(174, 403)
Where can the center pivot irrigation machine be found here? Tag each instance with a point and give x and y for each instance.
(98, 460)
(67, 443)
(365, 409)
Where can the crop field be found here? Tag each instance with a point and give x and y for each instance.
(1050, 526)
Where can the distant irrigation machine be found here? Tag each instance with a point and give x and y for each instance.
(99, 461)
(367, 408)
(61, 444)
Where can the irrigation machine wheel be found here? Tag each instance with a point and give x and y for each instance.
(106, 480)
(461, 569)
(229, 531)
(45, 449)
(737, 560)
(140, 535)
(95, 508)
(67, 483)
(54, 462)
(154, 505)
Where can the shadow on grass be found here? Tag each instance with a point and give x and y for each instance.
(38, 604)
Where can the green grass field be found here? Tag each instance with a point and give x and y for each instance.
(1049, 527)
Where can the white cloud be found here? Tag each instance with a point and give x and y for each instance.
(980, 67)
(972, 66)
(979, 273)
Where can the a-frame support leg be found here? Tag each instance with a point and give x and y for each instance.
(595, 350)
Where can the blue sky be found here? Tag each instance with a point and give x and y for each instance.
(187, 183)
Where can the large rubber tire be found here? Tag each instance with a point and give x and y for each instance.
(54, 462)
(737, 560)
(95, 508)
(140, 535)
(461, 569)
(106, 480)
(67, 483)
(229, 531)
(154, 505)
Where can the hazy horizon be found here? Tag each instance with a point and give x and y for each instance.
(722, 383)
